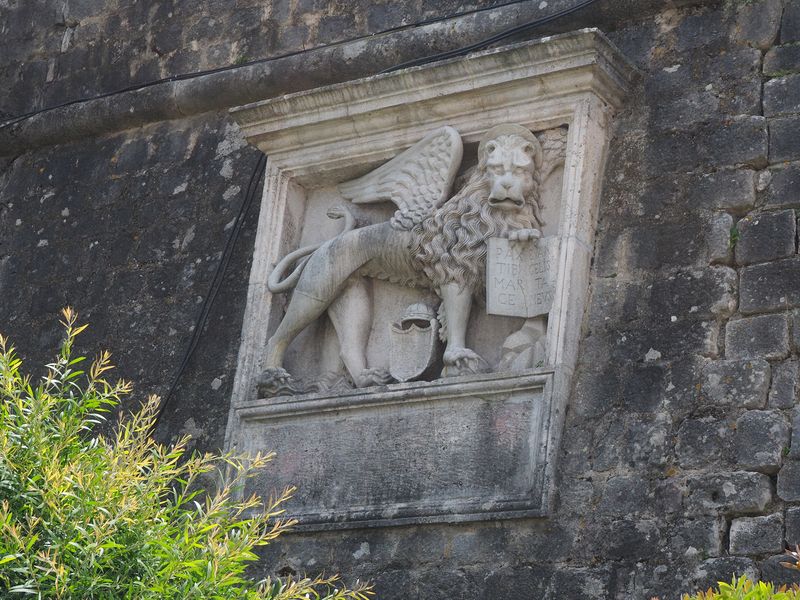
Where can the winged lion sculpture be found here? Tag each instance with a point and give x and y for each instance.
(434, 240)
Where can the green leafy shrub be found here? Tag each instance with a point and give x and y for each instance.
(744, 589)
(89, 517)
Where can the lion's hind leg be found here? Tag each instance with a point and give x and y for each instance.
(351, 315)
(301, 312)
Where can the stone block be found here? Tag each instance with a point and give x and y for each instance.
(595, 391)
(796, 330)
(784, 187)
(766, 236)
(763, 336)
(700, 88)
(736, 141)
(792, 522)
(694, 294)
(379, 16)
(763, 180)
(588, 584)
(732, 190)
(782, 96)
(614, 302)
(729, 189)
(756, 535)
(789, 481)
(702, 535)
(665, 245)
(758, 23)
(760, 440)
(623, 496)
(504, 581)
(698, 29)
(581, 492)
(664, 340)
(783, 391)
(610, 253)
(784, 139)
(770, 286)
(702, 442)
(781, 60)
(80, 10)
(627, 539)
(718, 239)
(684, 392)
(773, 571)
(794, 448)
(643, 441)
(335, 27)
(448, 583)
(723, 568)
(790, 23)
(642, 387)
(742, 383)
(733, 492)
(668, 496)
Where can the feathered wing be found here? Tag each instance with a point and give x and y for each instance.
(417, 181)
(554, 149)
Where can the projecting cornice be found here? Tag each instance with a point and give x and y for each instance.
(328, 124)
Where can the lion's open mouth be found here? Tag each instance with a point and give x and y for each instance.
(506, 202)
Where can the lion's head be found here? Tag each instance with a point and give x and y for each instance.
(501, 194)
(511, 156)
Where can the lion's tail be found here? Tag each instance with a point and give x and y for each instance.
(276, 283)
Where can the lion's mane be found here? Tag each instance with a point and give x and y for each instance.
(450, 245)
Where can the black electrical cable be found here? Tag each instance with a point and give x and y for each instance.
(491, 40)
(458, 52)
(216, 283)
(258, 172)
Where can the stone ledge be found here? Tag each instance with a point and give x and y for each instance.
(480, 447)
(552, 68)
(415, 391)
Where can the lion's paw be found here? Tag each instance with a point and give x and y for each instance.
(374, 376)
(278, 382)
(463, 361)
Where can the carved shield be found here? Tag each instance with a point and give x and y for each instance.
(413, 348)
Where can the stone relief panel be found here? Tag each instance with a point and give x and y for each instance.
(419, 282)
(410, 297)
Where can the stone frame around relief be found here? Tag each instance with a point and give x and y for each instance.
(332, 134)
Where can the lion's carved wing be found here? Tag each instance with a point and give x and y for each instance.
(554, 149)
(417, 181)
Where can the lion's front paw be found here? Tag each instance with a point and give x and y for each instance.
(374, 376)
(524, 235)
(463, 361)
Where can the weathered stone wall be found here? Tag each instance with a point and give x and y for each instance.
(60, 50)
(679, 462)
(128, 229)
